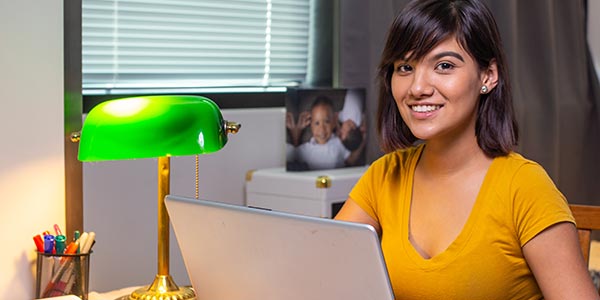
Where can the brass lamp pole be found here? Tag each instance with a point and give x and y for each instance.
(163, 286)
(163, 283)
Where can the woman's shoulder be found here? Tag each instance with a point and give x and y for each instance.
(516, 163)
(521, 172)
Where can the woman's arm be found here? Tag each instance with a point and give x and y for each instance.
(555, 258)
(353, 213)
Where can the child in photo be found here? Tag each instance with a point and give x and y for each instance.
(324, 150)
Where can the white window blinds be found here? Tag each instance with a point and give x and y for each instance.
(170, 44)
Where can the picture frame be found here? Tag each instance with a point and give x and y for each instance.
(326, 128)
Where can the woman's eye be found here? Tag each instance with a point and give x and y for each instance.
(403, 68)
(445, 66)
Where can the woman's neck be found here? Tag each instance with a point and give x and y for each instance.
(447, 159)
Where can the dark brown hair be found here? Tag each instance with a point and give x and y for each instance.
(418, 28)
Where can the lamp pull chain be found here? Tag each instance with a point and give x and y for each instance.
(197, 175)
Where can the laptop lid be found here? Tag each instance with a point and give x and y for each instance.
(236, 252)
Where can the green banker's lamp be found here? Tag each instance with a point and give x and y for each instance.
(155, 127)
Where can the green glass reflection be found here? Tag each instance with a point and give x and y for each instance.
(152, 126)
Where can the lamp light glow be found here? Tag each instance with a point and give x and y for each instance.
(126, 108)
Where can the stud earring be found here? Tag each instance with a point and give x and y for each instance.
(484, 89)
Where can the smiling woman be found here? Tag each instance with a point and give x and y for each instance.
(451, 192)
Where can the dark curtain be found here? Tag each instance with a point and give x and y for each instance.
(555, 87)
(555, 90)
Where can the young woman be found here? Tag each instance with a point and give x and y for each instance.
(460, 214)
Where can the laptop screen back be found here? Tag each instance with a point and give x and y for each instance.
(236, 252)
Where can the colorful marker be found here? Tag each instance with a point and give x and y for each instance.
(39, 243)
(60, 243)
(48, 243)
(88, 242)
(76, 235)
(82, 240)
(71, 249)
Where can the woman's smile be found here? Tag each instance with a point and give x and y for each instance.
(425, 108)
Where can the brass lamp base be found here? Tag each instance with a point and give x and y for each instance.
(163, 288)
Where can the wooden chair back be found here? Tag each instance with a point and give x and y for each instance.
(587, 218)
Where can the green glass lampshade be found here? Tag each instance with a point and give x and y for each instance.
(152, 126)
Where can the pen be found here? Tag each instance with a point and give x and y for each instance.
(70, 283)
(59, 287)
(48, 243)
(57, 229)
(39, 243)
(57, 275)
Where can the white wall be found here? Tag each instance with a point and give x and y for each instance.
(120, 197)
(31, 128)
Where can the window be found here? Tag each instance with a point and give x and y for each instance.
(145, 46)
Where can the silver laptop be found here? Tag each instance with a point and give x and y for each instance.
(239, 253)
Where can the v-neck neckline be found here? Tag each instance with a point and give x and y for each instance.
(459, 243)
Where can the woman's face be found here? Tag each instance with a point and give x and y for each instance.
(437, 95)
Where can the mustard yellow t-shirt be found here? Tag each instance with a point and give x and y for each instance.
(517, 200)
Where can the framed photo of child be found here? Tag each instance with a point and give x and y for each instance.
(326, 128)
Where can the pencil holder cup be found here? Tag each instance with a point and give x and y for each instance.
(62, 274)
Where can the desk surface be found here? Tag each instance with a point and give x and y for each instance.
(112, 295)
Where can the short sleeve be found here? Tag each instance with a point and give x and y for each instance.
(365, 192)
(537, 202)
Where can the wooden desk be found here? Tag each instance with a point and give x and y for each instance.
(112, 295)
